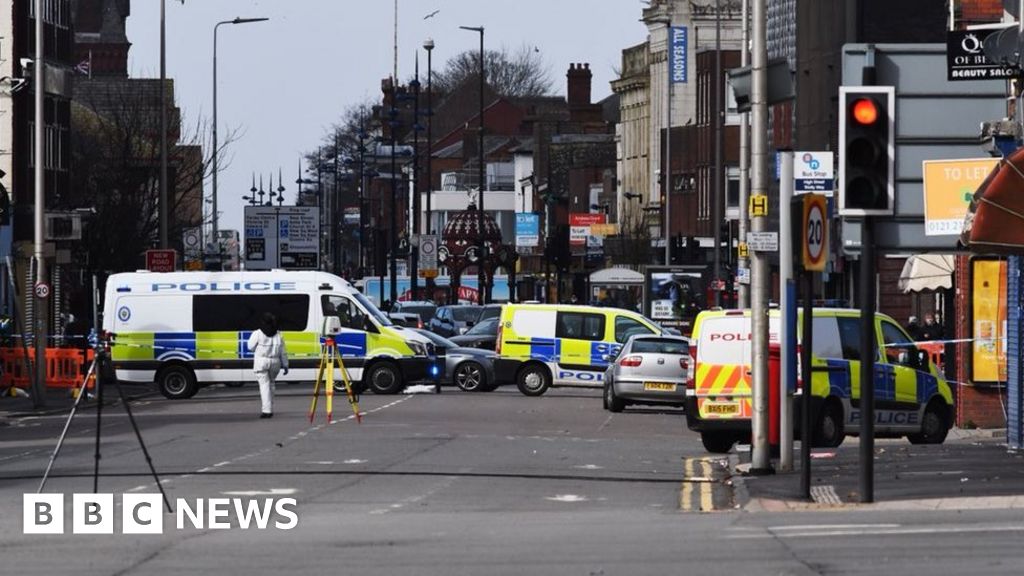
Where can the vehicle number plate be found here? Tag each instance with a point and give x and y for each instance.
(660, 386)
(726, 408)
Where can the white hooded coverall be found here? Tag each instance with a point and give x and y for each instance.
(269, 357)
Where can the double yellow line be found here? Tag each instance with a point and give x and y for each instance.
(695, 494)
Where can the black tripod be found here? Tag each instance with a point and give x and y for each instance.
(101, 370)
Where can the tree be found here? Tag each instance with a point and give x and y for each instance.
(116, 171)
(522, 73)
(632, 245)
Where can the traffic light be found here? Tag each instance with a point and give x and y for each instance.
(867, 147)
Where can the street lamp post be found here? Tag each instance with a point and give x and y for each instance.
(415, 228)
(428, 45)
(216, 152)
(482, 291)
(393, 242)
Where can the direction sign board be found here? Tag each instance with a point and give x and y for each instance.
(527, 230)
(948, 188)
(763, 241)
(814, 172)
(161, 260)
(282, 237)
(815, 232)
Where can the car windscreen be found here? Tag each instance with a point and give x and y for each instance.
(372, 310)
(659, 346)
(424, 312)
(490, 312)
(467, 314)
(488, 327)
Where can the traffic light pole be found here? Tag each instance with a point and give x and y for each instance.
(868, 346)
(760, 272)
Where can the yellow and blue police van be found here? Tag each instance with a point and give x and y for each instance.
(912, 398)
(185, 330)
(545, 345)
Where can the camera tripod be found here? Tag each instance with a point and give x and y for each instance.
(99, 371)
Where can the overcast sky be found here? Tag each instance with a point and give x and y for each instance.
(283, 82)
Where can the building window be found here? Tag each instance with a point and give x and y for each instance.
(56, 12)
(732, 115)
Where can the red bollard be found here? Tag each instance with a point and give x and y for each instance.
(774, 380)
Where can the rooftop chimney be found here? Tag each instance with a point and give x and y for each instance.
(578, 79)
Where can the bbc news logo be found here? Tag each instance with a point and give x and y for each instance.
(143, 514)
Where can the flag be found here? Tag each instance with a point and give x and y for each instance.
(83, 68)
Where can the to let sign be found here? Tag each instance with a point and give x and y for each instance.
(161, 260)
(948, 188)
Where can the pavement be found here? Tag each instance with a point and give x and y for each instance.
(973, 469)
(61, 400)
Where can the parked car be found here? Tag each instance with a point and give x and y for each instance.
(471, 369)
(489, 311)
(454, 320)
(412, 314)
(649, 369)
(484, 335)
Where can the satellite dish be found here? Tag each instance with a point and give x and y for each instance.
(1003, 47)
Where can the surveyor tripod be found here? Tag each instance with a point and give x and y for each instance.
(329, 360)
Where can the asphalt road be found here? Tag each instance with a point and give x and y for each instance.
(457, 483)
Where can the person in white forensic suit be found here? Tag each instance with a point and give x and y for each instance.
(269, 358)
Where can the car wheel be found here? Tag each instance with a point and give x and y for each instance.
(385, 378)
(612, 402)
(830, 433)
(533, 380)
(717, 442)
(177, 382)
(469, 377)
(933, 426)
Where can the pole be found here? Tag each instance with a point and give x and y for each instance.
(788, 312)
(414, 246)
(163, 207)
(393, 271)
(482, 292)
(716, 202)
(362, 188)
(429, 45)
(742, 261)
(39, 383)
(805, 395)
(761, 270)
(666, 177)
(213, 159)
(868, 347)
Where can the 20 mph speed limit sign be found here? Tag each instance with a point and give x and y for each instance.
(815, 232)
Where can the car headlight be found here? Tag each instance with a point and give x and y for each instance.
(418, 349)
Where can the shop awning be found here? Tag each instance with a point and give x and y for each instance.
(927, 272)
(995, 223)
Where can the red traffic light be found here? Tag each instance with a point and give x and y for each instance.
(865, 111)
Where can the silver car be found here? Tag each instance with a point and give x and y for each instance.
(650, 369)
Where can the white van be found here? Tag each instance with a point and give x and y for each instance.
(184, 330)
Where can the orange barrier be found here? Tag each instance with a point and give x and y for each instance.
(65, 367)
(935, 350)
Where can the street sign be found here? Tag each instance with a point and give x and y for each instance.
(428, 253)
(815, 232)
(758, 205)
(813, 172)
(763, 241)
(42, 290)
(742, 251)
(161, 260)
(743, 275)
(282, 237)
(192, 241)
(579, 226)
(948, 188)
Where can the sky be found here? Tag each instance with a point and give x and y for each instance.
(282, 83)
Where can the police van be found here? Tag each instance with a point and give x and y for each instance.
(545, 345)
(185, 330)
(912, 398)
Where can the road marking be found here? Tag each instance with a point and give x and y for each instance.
(446, 482)
(271, 492)
(686, 492)
(825, 495)
(354, 461)
(606, 422)
(567, 498)
(872, 530)
(705, 489)
(589, 467)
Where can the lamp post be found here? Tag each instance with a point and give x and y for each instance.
(393, 241)
(482, 282)
(428, 45)
(216, 153)
(415, 228)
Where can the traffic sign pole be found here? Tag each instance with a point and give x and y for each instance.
(788, 311)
